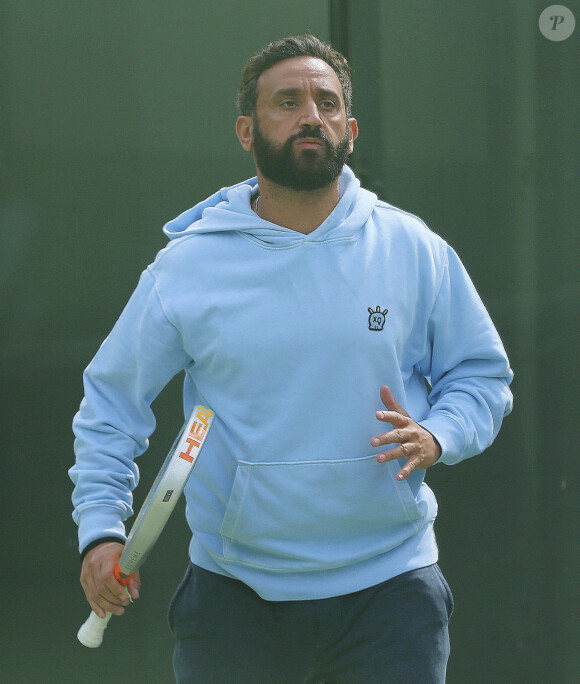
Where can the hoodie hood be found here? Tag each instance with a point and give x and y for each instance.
(229, 209)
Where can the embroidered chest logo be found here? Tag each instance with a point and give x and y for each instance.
(377, 318)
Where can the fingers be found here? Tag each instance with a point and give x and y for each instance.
(134, 585)
(102, 590)
(403, 429)
(412, 442)
(108, 600)
(407, 469)
(418, 453)
(390, 402)
(415, 444)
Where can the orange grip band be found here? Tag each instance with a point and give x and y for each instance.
(121, 577)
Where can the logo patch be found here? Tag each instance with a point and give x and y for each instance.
(377, 318)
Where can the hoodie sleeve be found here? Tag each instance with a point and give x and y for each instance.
(468, 369)
(139, 357)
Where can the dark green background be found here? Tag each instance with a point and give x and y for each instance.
(116, 116)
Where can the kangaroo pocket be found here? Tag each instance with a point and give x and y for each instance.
(300, 516)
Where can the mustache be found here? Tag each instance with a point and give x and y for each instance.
(314, 133)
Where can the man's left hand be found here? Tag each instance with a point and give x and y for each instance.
(415, 444)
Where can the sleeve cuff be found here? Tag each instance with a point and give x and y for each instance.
(449, 433)
(100, 523)
(98, 542)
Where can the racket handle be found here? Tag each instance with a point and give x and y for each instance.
(91, 632)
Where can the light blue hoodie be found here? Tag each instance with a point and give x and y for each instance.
(288, 338)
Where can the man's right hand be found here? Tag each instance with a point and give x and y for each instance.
(101, 588)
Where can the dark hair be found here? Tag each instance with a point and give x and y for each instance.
(280, 50)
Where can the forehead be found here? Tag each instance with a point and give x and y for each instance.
(299, 73)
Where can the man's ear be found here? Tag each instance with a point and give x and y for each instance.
(245, 132)
(353, 126)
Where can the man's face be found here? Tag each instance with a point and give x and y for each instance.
(301, 167)
(300, 135)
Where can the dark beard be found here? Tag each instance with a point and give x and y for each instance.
(305, 170)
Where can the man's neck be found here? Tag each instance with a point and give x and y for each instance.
(302, 211)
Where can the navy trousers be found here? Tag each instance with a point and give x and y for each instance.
(393, 633)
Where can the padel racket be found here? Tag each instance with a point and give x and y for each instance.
(155, 511)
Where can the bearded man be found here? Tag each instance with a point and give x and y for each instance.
(344, 351)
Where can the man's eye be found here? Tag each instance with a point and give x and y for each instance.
(328, 104)
(287, 104)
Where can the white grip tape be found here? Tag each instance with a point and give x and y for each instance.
(91, 632)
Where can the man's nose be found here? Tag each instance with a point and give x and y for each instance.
(310, 116)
